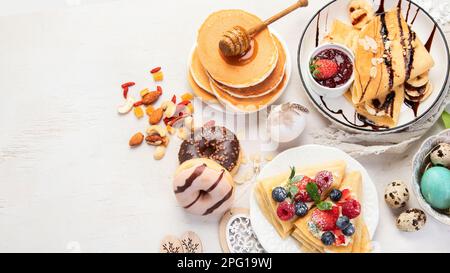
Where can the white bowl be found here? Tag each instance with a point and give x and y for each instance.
(326, 91)
(418, 167)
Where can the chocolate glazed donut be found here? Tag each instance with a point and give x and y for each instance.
(216, 143)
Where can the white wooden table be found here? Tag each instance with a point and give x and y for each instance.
(68, 181)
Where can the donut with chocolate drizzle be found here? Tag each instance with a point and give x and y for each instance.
(216, 143)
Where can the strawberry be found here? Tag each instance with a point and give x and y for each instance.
(351, 208)
(326, 219)
(346, 194)
(323, 69)
(302, 195)
(340, 237)
(285, 211)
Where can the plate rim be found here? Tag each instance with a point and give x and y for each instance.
(372, 233)
(349, 126)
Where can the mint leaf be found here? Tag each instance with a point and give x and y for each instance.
(296, 178)
(313, 192)
(293, 190)
(292, 173)
(325, 205)
(446, 119)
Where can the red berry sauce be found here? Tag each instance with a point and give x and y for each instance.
(345, 67)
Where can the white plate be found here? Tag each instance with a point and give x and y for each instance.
(423, 25)
(309, 155)
(221, 108)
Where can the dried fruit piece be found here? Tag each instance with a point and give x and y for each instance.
(126, 108)
(170, 129)
(125, 93)
(138, 112)
(149, 110)
(151, 97)
(158, 76)
(187, 96)
(156, 116)
(128, 84)
(144, 92)
(169, 109)
(155, 70)
(137, 104)
(136, 140)
(190, 108)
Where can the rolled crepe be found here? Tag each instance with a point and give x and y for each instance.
(400, 56)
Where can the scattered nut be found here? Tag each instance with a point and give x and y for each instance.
(151, 97)
(149, 110)
(160, 152)
(126, 108)
(136, 140)
(157, 130)
(154, 140)
(156, 116)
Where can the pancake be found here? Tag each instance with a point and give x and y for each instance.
(199, 73)
(400, 56)
(265, 87)
(263, 192)
(248, 105)
(200, 92)
(236, 76)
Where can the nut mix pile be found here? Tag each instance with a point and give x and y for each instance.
(176, 117)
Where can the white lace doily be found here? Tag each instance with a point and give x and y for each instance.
(240, 236)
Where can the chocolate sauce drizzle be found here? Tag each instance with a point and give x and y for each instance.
(317, 29)
(364, 120)
(387, 60)
(415, 16)
(197, 172)
(414, 105)
(218, 204)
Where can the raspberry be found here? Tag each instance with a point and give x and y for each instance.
(351, 208)
(326, 219)
(285, 211)
(340, 237)
(324, 179)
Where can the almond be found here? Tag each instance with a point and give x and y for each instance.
(151, 97)
(136, 140)
(156, 116)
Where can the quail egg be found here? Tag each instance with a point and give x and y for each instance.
(396, 194)
(441, 155)
(411, 220)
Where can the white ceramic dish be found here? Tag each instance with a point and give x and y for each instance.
(220, 107)
(418, 164)
(342, 112)
(307, 155)
(323, 90)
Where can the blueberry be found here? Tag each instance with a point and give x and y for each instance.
(342, 222)
(328, 238)
(301, 209)
(279, 194)
(335, 195)
(349, 230)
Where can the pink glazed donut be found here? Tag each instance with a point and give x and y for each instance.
(203, 187)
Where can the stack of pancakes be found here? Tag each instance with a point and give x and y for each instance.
(391, 65)
(245, 86)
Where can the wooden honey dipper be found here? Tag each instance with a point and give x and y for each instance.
(236, 41)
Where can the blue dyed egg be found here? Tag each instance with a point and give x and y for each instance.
(435, 187)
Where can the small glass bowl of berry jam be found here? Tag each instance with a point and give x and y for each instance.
(331, 69)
